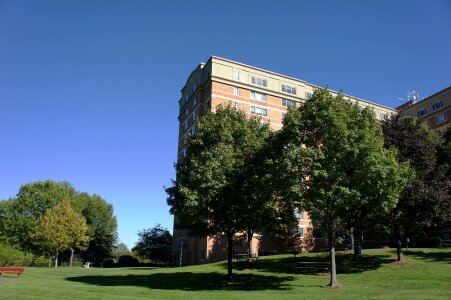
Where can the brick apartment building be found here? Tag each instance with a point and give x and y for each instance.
(268, 95)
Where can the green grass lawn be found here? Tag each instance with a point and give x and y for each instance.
(425, 275)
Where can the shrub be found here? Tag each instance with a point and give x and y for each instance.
(10, 256)
(127, 261)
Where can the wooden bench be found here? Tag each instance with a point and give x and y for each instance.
(311, 266)
(7, 270)
(246, 257)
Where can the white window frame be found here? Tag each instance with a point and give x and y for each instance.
(236, 91)
(422, 112)
(437, 105)
(262, 111)
(259, 96)
(236, 105)
(441, 118)
(288, 89)
(237, 75)
(308, 95)
(255, 80)
(288, 103)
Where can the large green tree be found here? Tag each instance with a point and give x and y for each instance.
(424, 203)
(336, 163)
(102, 227)
(154, 243)
(213, 191)
(61, 228)
(20, 214)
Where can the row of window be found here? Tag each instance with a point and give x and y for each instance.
(255, 80)
(435, 106)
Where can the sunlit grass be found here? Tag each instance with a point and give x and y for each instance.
(426, 274)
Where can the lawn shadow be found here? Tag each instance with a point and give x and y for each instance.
(444, 256)
(346, 263)
(188, 281)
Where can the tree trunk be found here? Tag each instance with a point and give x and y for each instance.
(229, 257)
(250, 235)
(351, 234)
(398, 242)
(71, 256)
(333, 272)
(56, 259)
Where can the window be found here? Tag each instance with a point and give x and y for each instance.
(237, 75)
(194, 102)
(299, 231)
(284, 114)
(259, 81)
(202, 254)
(422, 112)
(288, 103)
(186, 112)
(186, 98)
(255, 110)
(288, 89)
(194, 87)
(193, 130)
(236, 91)
(184, 152)
(235, 252)
(236, 105)
(308, 95)
(299, 215)
(383, 116)
(186, 125)
(194, 115)
(440, 118)
(437, 105)
(258, 96)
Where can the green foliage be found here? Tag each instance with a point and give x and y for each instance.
(19, 215)
(61, 228)
(154, 243)
(102, 226)
(13, 257)
(214, 190)
(336, 164)
(428, 193)
(32, 201)
(127, 261)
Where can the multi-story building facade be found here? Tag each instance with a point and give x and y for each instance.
(257, 92)
(434, 110)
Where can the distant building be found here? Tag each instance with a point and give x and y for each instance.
(434, 110)
(257, 92)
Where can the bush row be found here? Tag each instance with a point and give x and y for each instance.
(10, 256)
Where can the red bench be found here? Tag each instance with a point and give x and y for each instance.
(18, 271)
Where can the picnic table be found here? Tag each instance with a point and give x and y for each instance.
(311, 266)
(246, 257)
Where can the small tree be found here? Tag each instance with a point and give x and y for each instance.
(60, 229)
(334, 149)
(154, 243)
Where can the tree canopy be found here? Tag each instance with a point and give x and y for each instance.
(61, 228)
(428, 193)
(154, 244)
(336, 164)
(19, 216)
(211, 194)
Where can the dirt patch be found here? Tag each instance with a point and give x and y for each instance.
(399, 263)
(337, 286)
(7, 279)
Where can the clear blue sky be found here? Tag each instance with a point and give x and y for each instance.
(89, 89)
